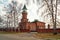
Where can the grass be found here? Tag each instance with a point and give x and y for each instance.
(37, 35)
(2, 32)
(47, 35)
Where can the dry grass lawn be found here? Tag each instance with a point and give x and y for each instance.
(47, 35)
(1, 32)
(37, 35)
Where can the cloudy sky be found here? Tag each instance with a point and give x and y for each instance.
(32, 8)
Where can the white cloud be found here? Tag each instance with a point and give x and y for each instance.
(32, 9)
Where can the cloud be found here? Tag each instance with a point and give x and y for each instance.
(3, 1)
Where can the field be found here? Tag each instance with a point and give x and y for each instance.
(28, 36)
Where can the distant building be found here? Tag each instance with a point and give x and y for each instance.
(24, 25)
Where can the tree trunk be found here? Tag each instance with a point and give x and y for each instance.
(55, 32)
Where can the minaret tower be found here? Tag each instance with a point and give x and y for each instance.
(24, 15)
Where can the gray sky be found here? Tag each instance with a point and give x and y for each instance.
(32, 8)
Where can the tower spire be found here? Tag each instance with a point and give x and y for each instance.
(24, 8)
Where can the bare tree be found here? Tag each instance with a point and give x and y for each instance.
(52, 14)
(55, 19)
(13, 9)
(50, 9)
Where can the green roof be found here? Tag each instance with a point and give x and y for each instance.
(24, 8)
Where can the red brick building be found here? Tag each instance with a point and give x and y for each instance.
(26, 26)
